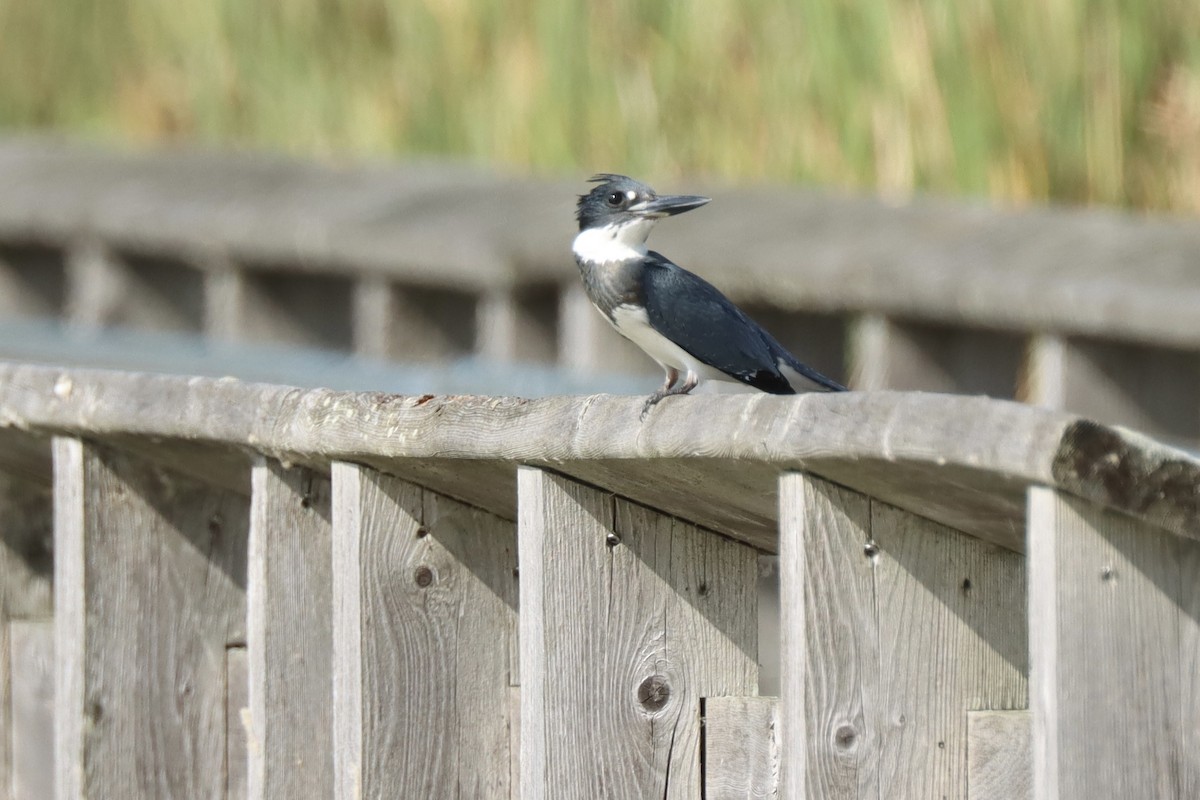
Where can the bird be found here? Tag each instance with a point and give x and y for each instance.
(683, 322)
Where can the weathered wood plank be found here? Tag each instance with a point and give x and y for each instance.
(25, 587)
(426, 594)
(628, 618)
(961, 461)
(149, 587)
(830, 740)
(999, 763)
(288, 633)
(952, 638)
(1114, 610)
(32, 741)
(894, 627)
(741, 748)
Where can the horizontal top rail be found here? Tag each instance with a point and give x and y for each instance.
(713, 460)
(1089, 272)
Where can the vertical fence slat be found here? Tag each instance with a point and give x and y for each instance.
(1045, 378)
(830, 642)
(741, 748)
(953, 638)
(894, 627)
(32, 709)
(97, 285)
(426, 603)
(628, 618)
(25, 586)
(148, 582)
(1115, 644)
(289, 639)
(225, 299)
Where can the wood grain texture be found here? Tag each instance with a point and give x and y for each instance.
(289, 622)
(741, 748)
(32, 740)
(1114, 643)
(25, 591)
(958, 460)
(894, 627)
(999, 755)
(149, 587)
(952, 637)
(830, 666)
(423, 639)
(628, 618)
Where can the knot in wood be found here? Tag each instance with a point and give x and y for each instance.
(845, 737)
(654, 693)
(423, 576)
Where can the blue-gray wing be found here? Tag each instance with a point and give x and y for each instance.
(693, 314)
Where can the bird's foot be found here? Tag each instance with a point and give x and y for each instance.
(652, 401)
(667, 391)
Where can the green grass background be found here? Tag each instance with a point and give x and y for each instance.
(1092, 101)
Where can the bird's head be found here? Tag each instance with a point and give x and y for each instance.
(618, 201)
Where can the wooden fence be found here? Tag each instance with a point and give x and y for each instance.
(214, 589)
(1087, 311)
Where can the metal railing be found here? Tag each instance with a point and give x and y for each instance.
(259, 591)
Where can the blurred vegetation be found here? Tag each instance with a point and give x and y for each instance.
(1094, 101)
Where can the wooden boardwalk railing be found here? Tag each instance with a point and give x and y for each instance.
(260, 592)
(1088, 311)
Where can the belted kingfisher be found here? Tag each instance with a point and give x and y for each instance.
(681, 320)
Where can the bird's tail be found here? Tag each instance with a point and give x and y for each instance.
(819, 381)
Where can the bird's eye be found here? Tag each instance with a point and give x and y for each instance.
(615, 199)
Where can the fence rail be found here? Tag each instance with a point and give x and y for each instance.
(1087, 311)
(261, 592)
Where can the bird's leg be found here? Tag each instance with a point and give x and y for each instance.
(686, 386)
(669, 389)
(652, 400)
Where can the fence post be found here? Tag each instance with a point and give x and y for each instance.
(1114, 618)
(149, 579)
(424, 642)
(288, 636)
(628, 618)
(894, 627)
